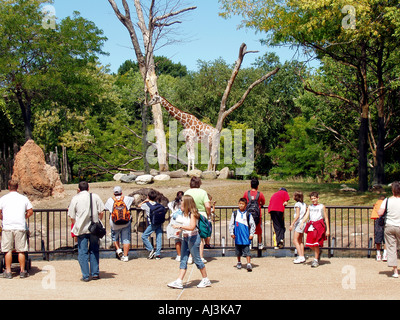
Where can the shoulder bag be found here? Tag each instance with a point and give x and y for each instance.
(96, 228)
(382, 218)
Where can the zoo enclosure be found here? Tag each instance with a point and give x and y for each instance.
(350, 229)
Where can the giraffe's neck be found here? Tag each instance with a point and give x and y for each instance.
(188, 120)
(179, 115)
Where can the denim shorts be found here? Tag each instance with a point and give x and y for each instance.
(123, 235)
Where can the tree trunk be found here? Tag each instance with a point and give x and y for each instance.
(147, 70)
(379, 174)
(151, 83)
(362, 157)
(26, 114)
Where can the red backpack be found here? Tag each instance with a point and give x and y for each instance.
(120, 213)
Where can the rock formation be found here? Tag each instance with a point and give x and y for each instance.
(141, 195)
(36, 179)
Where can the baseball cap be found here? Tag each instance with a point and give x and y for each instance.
(117, 190)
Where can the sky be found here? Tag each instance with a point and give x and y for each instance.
(207, 36)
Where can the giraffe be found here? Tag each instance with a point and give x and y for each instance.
(194, 130)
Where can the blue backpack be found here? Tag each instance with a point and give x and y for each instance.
(205, 227)
(157, 213)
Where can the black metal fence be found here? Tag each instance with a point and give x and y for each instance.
(350, 229)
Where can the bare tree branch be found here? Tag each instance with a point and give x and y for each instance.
(223, 113)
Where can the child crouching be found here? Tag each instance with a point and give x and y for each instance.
(242, 228)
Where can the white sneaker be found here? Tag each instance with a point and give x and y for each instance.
(249, 267)
(124, 259)
(204, 283)
(119, 253)
(190, 260)
(384, 256)
(177, 284)
(203, 260)
(299, 260)
(178, 258)
(378, 257)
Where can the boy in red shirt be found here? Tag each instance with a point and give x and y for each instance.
(276, 208)
(261, 201)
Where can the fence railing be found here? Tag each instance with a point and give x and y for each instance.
(350, 229)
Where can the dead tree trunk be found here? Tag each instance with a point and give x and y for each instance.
(223, 112)
(151, 33)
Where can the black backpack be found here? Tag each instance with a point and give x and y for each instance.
(253, 208)
(157, 213)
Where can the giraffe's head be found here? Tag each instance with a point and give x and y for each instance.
(155, 100)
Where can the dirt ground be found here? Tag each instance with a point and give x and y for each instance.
(224, 192)
(273, 278)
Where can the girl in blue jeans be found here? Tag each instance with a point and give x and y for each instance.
(190, 244)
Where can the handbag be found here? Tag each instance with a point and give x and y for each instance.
(95, 228)
(382, 218)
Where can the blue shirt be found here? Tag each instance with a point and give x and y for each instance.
(240, 227)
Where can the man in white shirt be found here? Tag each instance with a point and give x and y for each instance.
(88, 245)
(15, 208)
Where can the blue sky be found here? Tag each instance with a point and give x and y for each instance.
(209, 36)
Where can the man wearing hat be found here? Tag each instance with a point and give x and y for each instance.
(120, 231)
(276, 208)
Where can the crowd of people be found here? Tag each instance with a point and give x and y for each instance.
(190, 226)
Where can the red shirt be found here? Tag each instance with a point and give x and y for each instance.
(277, 200)
(253, 195)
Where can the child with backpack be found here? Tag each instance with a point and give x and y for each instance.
(120, 222)
(255, 201)
(190, 243)
(242, 228)
(155, 213)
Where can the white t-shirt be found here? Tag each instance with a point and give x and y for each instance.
(14, 206)
(303, 208)
(393, 211)
(109, 205)
(316, 212)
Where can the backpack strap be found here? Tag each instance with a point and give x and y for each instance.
(257, 196)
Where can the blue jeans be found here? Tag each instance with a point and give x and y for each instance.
(191, 245)
(88, 252)
(146, 234)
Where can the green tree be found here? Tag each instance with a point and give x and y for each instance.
(39, 65)
(361, 39)
(302, 154)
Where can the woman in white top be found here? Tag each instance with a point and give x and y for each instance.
(190, 243)
(300, 210)
(392, 226)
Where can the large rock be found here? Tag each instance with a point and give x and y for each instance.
(194, 173)
(162, 177)
(224, 173)
(36, 179)
(208, 175)
(128, 178)
(141, 195)
(144, 179)
(177, 174)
